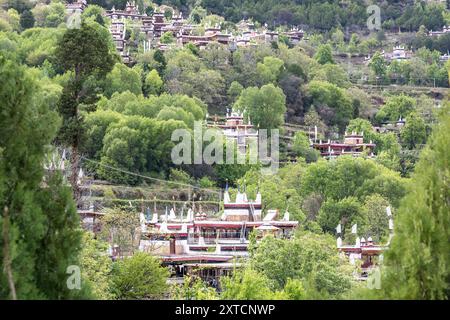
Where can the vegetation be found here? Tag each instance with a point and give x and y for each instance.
(67, 88)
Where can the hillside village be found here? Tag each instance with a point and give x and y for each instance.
(224, 152)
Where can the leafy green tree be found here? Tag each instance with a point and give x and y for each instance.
(139, 277)
(153, 83)
(416, 265)
(193, 288)
(38, 219)
(277, 191)
(96, 266)
(269, 70)
(186, 74)
(347, 212)
(94, 12)
(414, 132)
(351, 177)
(85, 52)
(331, 102)
(265, 106)
(396, 107)
(122, 78)
(302, 147)
(120, 227)
(378, 65)
(158, 56)
(377, 219)
(137, 144)
(246, 285)
(324, 54)
(235, 90)
(167, 38)
(51, 15)
(309, 257)
(26, 20)
(332, 73)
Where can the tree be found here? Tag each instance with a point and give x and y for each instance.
(246, 285)
(324, 54)
(235, 90)
(153, 83)
(96, 266)
(186, 74)
(167, 38)
(122, 78)
(265, 106)
(397, 107)
(85, 52)
(331, 102)
(378, 65)
(121, 228)
(51, 15)
(39, 223)
(414, 132)
(308, 257)
(193, 288)
(26, 20)
(377, 219)
(139, 277)
(302, 147)
(95, 13)
(417, 264)
(346, 212)
(158, 55)
(269, 70)
(332, 73)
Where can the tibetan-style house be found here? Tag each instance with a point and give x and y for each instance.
(238, 130)
(210, 246)
(353, 145)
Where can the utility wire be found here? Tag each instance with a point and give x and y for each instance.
(149, 178)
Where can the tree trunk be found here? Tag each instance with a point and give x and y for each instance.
(6, 253)
(75, 168)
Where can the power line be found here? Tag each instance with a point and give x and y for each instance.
(149, 178)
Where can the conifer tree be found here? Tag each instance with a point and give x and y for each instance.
(38, 220)
(417, 265)
(85, 52)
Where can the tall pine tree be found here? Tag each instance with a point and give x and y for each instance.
(40, 228)
(86, 52)
(417, 266)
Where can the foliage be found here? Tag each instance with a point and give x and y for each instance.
(302, 148)
(414, 132)
(265, 106)
(122, 78)
(38, 218)
(119, 226)
(346, 212)
(396, 107)
(308, 257)
(139, 277)
(193, 288)
(331, 102)
(153, 83)
(246, 285)
(26, 20)
(378, 65)
(96, 266)
(324, 54)
(416, 265)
